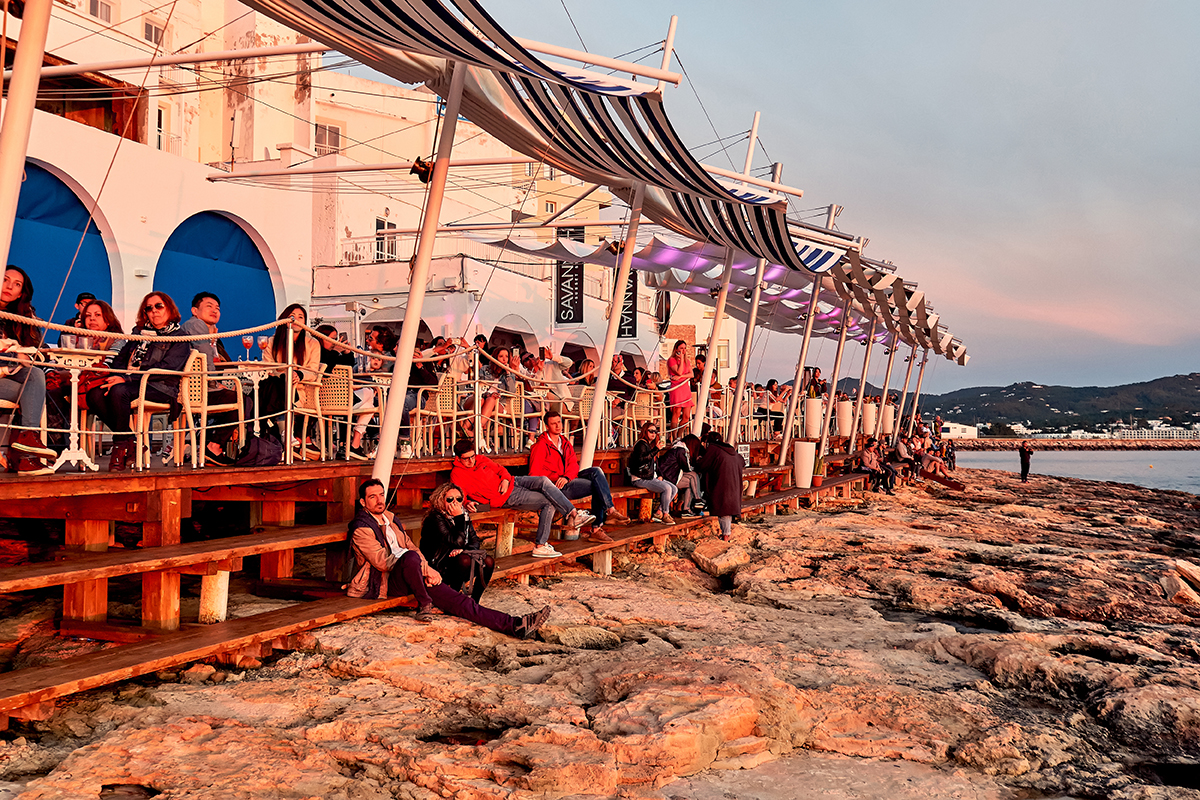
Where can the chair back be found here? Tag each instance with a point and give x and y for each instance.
(446, 399)
(193, 384)
(337, 392)
(585, 402)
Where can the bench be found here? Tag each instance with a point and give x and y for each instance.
(772, 479)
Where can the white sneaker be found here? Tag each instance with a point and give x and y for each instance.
(545, 551)
(583, 518)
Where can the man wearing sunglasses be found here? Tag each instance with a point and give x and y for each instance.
(554, 457)
(484, 481)
(388, 564)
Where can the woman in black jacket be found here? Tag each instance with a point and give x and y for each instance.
(111, 401)
(450, 544)
(722, 467)
(643, 471)
(675, 465)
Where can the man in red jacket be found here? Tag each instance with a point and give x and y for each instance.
(485, 481)
(554, 457)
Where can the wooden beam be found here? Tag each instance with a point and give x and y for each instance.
(279, 563)
(160, 590)
(87, 600)
(122, 507)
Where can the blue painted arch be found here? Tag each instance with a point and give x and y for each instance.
(211, 252)
(59, 244)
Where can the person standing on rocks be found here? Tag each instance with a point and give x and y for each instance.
(721, 466)
(1025, 451)
(387, 563)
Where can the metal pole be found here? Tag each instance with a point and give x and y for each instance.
(794, 400)
(18, 114)
(595, 422)
(418, 277)
(862, 386)
(182, 58)
(837, 365)
(912, 359)
(710, 360)
(289, 394)
(912, 418)
(887, 379)
(668, 50)
(477, 418)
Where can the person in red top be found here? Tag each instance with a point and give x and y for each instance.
(553, 457)
(485, 481)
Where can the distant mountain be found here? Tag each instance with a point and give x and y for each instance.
(1176, 398)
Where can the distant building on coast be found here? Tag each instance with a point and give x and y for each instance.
(1159, 432)
(952, 430)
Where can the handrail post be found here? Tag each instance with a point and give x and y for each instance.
(418, 277)
(478, 399)
(289, 394)
(591, 434)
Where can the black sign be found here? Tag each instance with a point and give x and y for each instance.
(568, 294)
(628, 326)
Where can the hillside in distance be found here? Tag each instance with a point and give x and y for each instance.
(1175, 399)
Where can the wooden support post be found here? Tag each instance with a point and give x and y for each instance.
(214, 598)
(504, 537)
(280, 563)
(86, 600)
(646, 510)
(602, 562)
(160, 590)
(340, 508)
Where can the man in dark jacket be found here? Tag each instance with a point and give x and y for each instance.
(722, 469)
(386, 562)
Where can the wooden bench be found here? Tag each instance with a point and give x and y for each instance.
(771, 479)
(30, 693)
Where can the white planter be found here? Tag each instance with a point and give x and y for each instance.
(844, 411)
(868, 418)
(814, 415)
(804, 455)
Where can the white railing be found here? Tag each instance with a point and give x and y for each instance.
(170, 143)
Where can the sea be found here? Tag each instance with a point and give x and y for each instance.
(1161, 469)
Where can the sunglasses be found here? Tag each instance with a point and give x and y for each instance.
(154, 307)
(455, 499)
(652, 430)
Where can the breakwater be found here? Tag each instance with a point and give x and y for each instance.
(1078, 444)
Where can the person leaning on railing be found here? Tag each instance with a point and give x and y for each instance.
(112, 401)
(20, 381)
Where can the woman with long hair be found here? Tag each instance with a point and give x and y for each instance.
(20, 381)
(643, 471)
(306, 360)
(97, 316)
(675, 465)
(451, 546)
(679, 398)
(112, 400)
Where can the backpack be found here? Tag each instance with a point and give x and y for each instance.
(260, 451)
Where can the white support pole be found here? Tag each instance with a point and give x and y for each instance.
(18, 114)
(181, 58)
(591, 434)
(912, 359)
(668, 50)
(735, 411)
(862, 385)
(912, 418)
(837, 365)
(887, 380)
(710, 359)
(418, 277)
(794, 400)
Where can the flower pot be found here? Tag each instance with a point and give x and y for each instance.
(816, 481)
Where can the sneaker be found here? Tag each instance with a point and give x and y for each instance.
(406, 450)
(598, 535)
(424, 615)
(617, 517)
(29, 467)
(581, 518)
(666, 520)
(29, 442)
(688, 513)
(545, 551)
(656, 516)
(528, 625)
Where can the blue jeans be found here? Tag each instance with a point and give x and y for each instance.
(538, 493)
(665, 490)
(27, 388)
(591, 481)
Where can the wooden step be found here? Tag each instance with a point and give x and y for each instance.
(37, 685)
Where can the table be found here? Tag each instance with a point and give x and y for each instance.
(75, 362)
(256, 372)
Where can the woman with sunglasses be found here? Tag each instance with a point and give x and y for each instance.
(450, 544)
(643, 471)
(112, 400)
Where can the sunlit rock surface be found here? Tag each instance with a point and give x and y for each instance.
(1013, 640)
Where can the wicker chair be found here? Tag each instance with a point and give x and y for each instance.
(193, 396)
(143, 409)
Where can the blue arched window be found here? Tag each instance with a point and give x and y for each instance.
(209, 252)
(51, 221)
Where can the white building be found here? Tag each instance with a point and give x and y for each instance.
(952, 430)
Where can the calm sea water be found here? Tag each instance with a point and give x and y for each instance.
(1176, 469)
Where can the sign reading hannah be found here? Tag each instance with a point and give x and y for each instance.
(628, 326)
(568, 294)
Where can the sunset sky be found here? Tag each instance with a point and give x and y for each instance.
(1034, 166)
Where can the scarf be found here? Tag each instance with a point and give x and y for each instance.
(139, 352)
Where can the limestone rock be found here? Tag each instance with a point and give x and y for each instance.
(586, 637)
(717, 557)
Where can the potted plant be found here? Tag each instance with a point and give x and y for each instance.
(818, 471)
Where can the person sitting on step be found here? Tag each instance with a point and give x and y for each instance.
(388, 564)
(484, 481)
(450, 544)
(554, 457)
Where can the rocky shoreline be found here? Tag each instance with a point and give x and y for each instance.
(1078, 444)
(1010, 641)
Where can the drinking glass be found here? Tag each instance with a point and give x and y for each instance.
(247, 342)
(83, 342)
(67, 341)
(264, 342)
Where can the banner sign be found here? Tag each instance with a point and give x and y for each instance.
(568, 293)
(628, 326)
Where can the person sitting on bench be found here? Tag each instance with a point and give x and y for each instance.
(553, 457)
(882, 473)
(451, 545)
(387, 563)
(484, 481)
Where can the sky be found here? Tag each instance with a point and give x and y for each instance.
(1034, 166)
